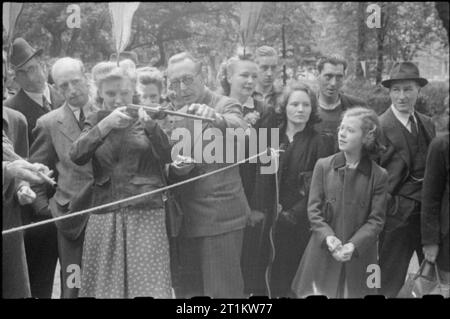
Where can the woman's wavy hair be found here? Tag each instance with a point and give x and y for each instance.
(371, 129)
(106, 71)
(283, 100)
(226, 69)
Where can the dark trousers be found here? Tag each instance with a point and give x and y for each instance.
(255, 258)
(41, 249)
(290, 244)
(70, 253)
(210, 266)
(395, 251)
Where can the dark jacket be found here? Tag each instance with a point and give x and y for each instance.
(396, 159)
(215, 204)
(24, 104)
(53, 137)
(125, 163)
(296, 168)
(329, 128)
(16, 128)
(15, 280)
(349, 204)
(435, 209)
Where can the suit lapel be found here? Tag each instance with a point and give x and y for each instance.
(29, 105)
(393, 131)
(68, 124)
(55, 98)
(429, 134)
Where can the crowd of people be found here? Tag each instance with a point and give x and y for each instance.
(352, 189)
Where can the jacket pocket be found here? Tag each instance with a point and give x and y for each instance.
(328, 210)
(392, 208)
(144, 184)
(61, 200)
(101, 181)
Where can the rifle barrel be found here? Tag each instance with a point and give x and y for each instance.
(157, 109)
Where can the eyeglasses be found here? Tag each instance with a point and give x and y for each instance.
(187, 80)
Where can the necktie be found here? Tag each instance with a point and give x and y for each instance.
(81, 119)
(413, 125)
(45, 104)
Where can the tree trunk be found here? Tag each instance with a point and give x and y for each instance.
(443, 12)
(56, 45)
(360, 54)
(73, 42)
(162, 53)
(381, 34)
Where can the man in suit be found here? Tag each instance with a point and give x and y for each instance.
(331, 100)
(34, 99)
(53, 136)
(406, 135)
(215, 207)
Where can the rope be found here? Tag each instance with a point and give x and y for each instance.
(132, 198)
(268, 272)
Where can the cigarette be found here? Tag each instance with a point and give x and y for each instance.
(47, 179)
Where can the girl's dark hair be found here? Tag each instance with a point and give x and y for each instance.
(283, 100)
(370, 126)
(226, 69)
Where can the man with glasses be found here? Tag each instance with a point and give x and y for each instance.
(332, 102)
(215, 207)
(34, 99)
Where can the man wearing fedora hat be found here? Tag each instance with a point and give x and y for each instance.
(34, 99)
(406, 135)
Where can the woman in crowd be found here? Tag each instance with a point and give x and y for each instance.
(237, 77)
(150, 85)
(346, 209)
(126, 251)
(302, 146)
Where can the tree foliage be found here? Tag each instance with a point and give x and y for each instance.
(210, 29)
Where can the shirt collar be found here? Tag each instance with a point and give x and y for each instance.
(402, 117)
(364, 165)
(326, 106)
(264, 95)
(37, 97)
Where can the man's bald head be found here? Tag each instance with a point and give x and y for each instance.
(70, 80)
(64, 64)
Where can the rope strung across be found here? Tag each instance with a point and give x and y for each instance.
(132, 198)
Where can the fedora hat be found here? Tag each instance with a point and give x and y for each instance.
(22, 52)
(404, 71)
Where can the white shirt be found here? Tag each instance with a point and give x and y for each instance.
(37, 97)
(76, 110)
(403, 118)
(250, 104)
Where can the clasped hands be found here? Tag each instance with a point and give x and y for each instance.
(28, 172)
(341, 253)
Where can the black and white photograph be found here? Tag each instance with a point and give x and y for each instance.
(230, 150)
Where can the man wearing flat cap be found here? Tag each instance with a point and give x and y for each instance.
(406, 135)
(34, 99)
